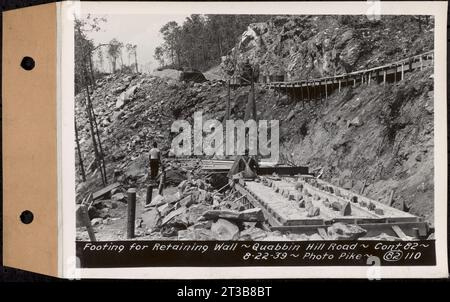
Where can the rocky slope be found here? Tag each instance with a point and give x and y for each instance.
(302, 47)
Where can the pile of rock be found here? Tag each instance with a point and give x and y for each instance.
(197, 212)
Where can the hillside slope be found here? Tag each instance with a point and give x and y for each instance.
(305, 47)
(380, 135)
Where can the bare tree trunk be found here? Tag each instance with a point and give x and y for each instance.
(89, 111)
(80, 158)
(219, 42)
(91, 69)
(102, 154)
(135, 61)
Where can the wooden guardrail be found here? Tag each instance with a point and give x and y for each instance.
(319, 87)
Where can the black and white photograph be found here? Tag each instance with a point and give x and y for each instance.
(354, 101)
(250, 128)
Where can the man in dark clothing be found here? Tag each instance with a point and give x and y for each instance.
(247, 70)
(155, 158)
(246, 165)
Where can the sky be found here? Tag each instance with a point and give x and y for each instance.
(139, 29)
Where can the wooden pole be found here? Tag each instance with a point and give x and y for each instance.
(254, 99)
(368, 81)
(384, 77)
(301, 91)
(339, 85)
(403, 72)
(391, 198)
(149, 194)
(395, 74)
(100, 148)
(161, 183)
(326, 90)
(307, 90)
(80, 157)
(361, 192)
(293, 92)
(84, 219)
(228, 102)
(131, 212)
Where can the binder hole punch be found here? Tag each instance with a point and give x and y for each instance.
(27, 63)
(26, 217)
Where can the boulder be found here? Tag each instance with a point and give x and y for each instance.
(96, 221)
(186, 201)
(252, 234)
(379, 211)
(223, 229)
(255, 214)
(336, 205)
(151, 218)
(126, 96)
(313, 211)
(192, 75)
(119, 197)
(341, 231)
(355, 122)
(226, 214)
(173, 214)
(195, 234)
(346, 209)
(157, 201)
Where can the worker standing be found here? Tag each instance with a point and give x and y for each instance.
(155, 159)
(244, 165)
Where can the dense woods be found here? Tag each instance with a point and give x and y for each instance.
(201, 40)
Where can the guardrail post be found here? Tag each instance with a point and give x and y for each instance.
(403, 73)
(131, 211)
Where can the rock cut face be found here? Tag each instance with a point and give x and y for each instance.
(304, 47)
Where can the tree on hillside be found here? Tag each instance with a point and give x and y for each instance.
(100, 60)
(202, 40)
(84, 47)
(132, 52)
(159, 55)
(171, 36)
(114, 53)
(84, 78)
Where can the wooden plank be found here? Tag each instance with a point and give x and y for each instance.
(373, 229)
(105, 190)
(323, 233)
(387, 69)
(391, 198)
(400, 233)
(272, 221)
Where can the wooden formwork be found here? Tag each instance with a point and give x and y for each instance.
(283, 212)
